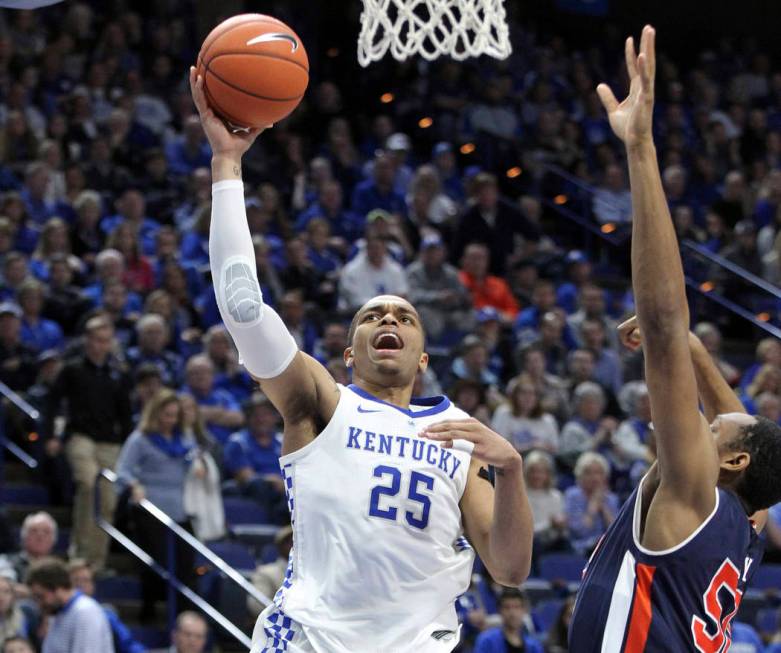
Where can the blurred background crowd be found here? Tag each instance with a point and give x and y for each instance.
(491, 194)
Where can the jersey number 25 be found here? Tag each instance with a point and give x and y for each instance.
(416, 480)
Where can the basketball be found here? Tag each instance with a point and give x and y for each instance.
(255, 70)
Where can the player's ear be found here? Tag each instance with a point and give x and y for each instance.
(348, 357)
(423, 362)
(735, 461)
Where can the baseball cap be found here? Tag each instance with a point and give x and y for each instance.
(10, 308)
(48, 355)
(431, 241)
(487, 314)
(398, 141)
(377, 214)
(441, 148)
(576, 256)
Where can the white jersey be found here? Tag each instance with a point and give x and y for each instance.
(379, 556)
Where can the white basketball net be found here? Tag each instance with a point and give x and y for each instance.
(430, 28)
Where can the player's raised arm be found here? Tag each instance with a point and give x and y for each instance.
(298, 386)
(687, 452)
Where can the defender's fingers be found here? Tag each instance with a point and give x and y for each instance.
(646, 80)
(631, 57)
(608, 99)
(649, 49)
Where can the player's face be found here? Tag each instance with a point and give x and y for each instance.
(388, 341)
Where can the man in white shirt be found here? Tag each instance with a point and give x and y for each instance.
(372, 272)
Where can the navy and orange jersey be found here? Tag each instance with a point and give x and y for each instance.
(633, 600)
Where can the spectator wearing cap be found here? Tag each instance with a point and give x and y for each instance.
(398, 146)
(485, 288)
(17, 360)
(444, 160)
(189, 151)
(490, 329)
(251, 457)
(511, 635)
(372, 272)
(379, 192)
(268, 578)
(579, 271)
(37, 332)
(218, 407)
(153, 337)
(77, 623)
(97, 391)
(493, 221)
(442, 301)
(612, 202)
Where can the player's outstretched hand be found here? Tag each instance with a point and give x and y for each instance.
(222, 140)
(489, 446)
(629, 334)
(631, 119)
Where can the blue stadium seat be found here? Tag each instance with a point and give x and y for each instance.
(562, 566)
(546, 613)
(24, 495)
(118, 588)
(243, 511)
(235, 554)
(767, 577)
(150, 637)
(767, 621)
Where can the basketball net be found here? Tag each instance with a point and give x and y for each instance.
(431, 28)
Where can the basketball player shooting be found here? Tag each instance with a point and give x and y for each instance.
(387, 493)
(670, 572)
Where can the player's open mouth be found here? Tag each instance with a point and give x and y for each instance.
(387, 341)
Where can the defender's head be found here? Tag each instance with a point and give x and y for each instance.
(749, 456)
(386, 341)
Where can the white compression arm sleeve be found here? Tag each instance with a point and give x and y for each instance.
(265, 346)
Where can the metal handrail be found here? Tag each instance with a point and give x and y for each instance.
(194, 543)
(732, 267)
(19, 402)
(17, 451)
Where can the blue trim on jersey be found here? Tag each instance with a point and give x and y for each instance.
(437, 404)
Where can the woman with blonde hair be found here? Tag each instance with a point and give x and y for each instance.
(523, 421)
(547, 503)
(54, 239)
(153, 464)
(13, 622)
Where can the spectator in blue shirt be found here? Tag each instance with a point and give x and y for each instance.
(378, 192)
(251, 457)
(131, 207)
(83, 579)
(329, 206)
(37, 332)
(218, 408)
(590, 505)
(510, 636)
(153, 336)
(39, 209)
(189, 151)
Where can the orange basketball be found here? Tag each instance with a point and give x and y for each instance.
(255, 70)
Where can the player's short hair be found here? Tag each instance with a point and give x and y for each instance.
(760, 484)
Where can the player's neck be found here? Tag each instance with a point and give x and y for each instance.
(397, 395)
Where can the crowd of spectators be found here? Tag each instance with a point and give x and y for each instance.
(108, 321)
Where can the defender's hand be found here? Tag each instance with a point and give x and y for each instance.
(631, 120)
(629, 334)
(490, 447)
(222, 141)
